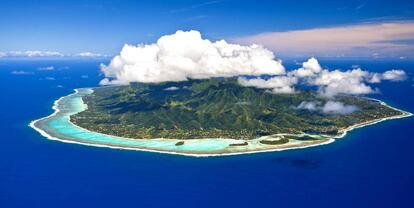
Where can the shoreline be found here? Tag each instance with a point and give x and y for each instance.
(290, 146)
(375, 121)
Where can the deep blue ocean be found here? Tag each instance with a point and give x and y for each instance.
(372, 167)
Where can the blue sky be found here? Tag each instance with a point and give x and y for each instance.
(72, 27)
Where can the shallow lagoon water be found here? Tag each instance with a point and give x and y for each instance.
(371, 167)
(58, 127)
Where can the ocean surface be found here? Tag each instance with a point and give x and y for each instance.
(371, 167)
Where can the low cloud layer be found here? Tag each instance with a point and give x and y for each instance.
(46, 68)
(185, 55)
(278, 84)
(37, 53)
(330, 107)
(308, 105)
(334, 107)
(88, 54)
(394, 75)
(31, 54)
(50, 78)
(21, 72)
(384, 39)
(172, 88)
(328, 82)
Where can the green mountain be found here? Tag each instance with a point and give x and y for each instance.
(215, 108)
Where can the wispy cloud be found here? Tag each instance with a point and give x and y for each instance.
(368, 39)
(46, 68)
(194, 6)
(31, 54)
(355, 8)
(98, 7)
(39, 53)
(50, 78)
(90, 54)
(198, 17)
(21, 72)
(361, 6)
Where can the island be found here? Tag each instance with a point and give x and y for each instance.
(204, 118)
(215, 109)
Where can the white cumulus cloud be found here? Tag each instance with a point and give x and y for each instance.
(335, 82)
(394, 75)
(278, 84)
(329, 82)
(186, 54)
(309, 68)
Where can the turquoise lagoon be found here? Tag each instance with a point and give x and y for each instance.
(58, 127)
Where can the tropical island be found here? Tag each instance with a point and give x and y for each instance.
(192, 96)
(217, 108)
(209, 117)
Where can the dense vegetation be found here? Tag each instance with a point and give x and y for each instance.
(213, 109)
(275, 142)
